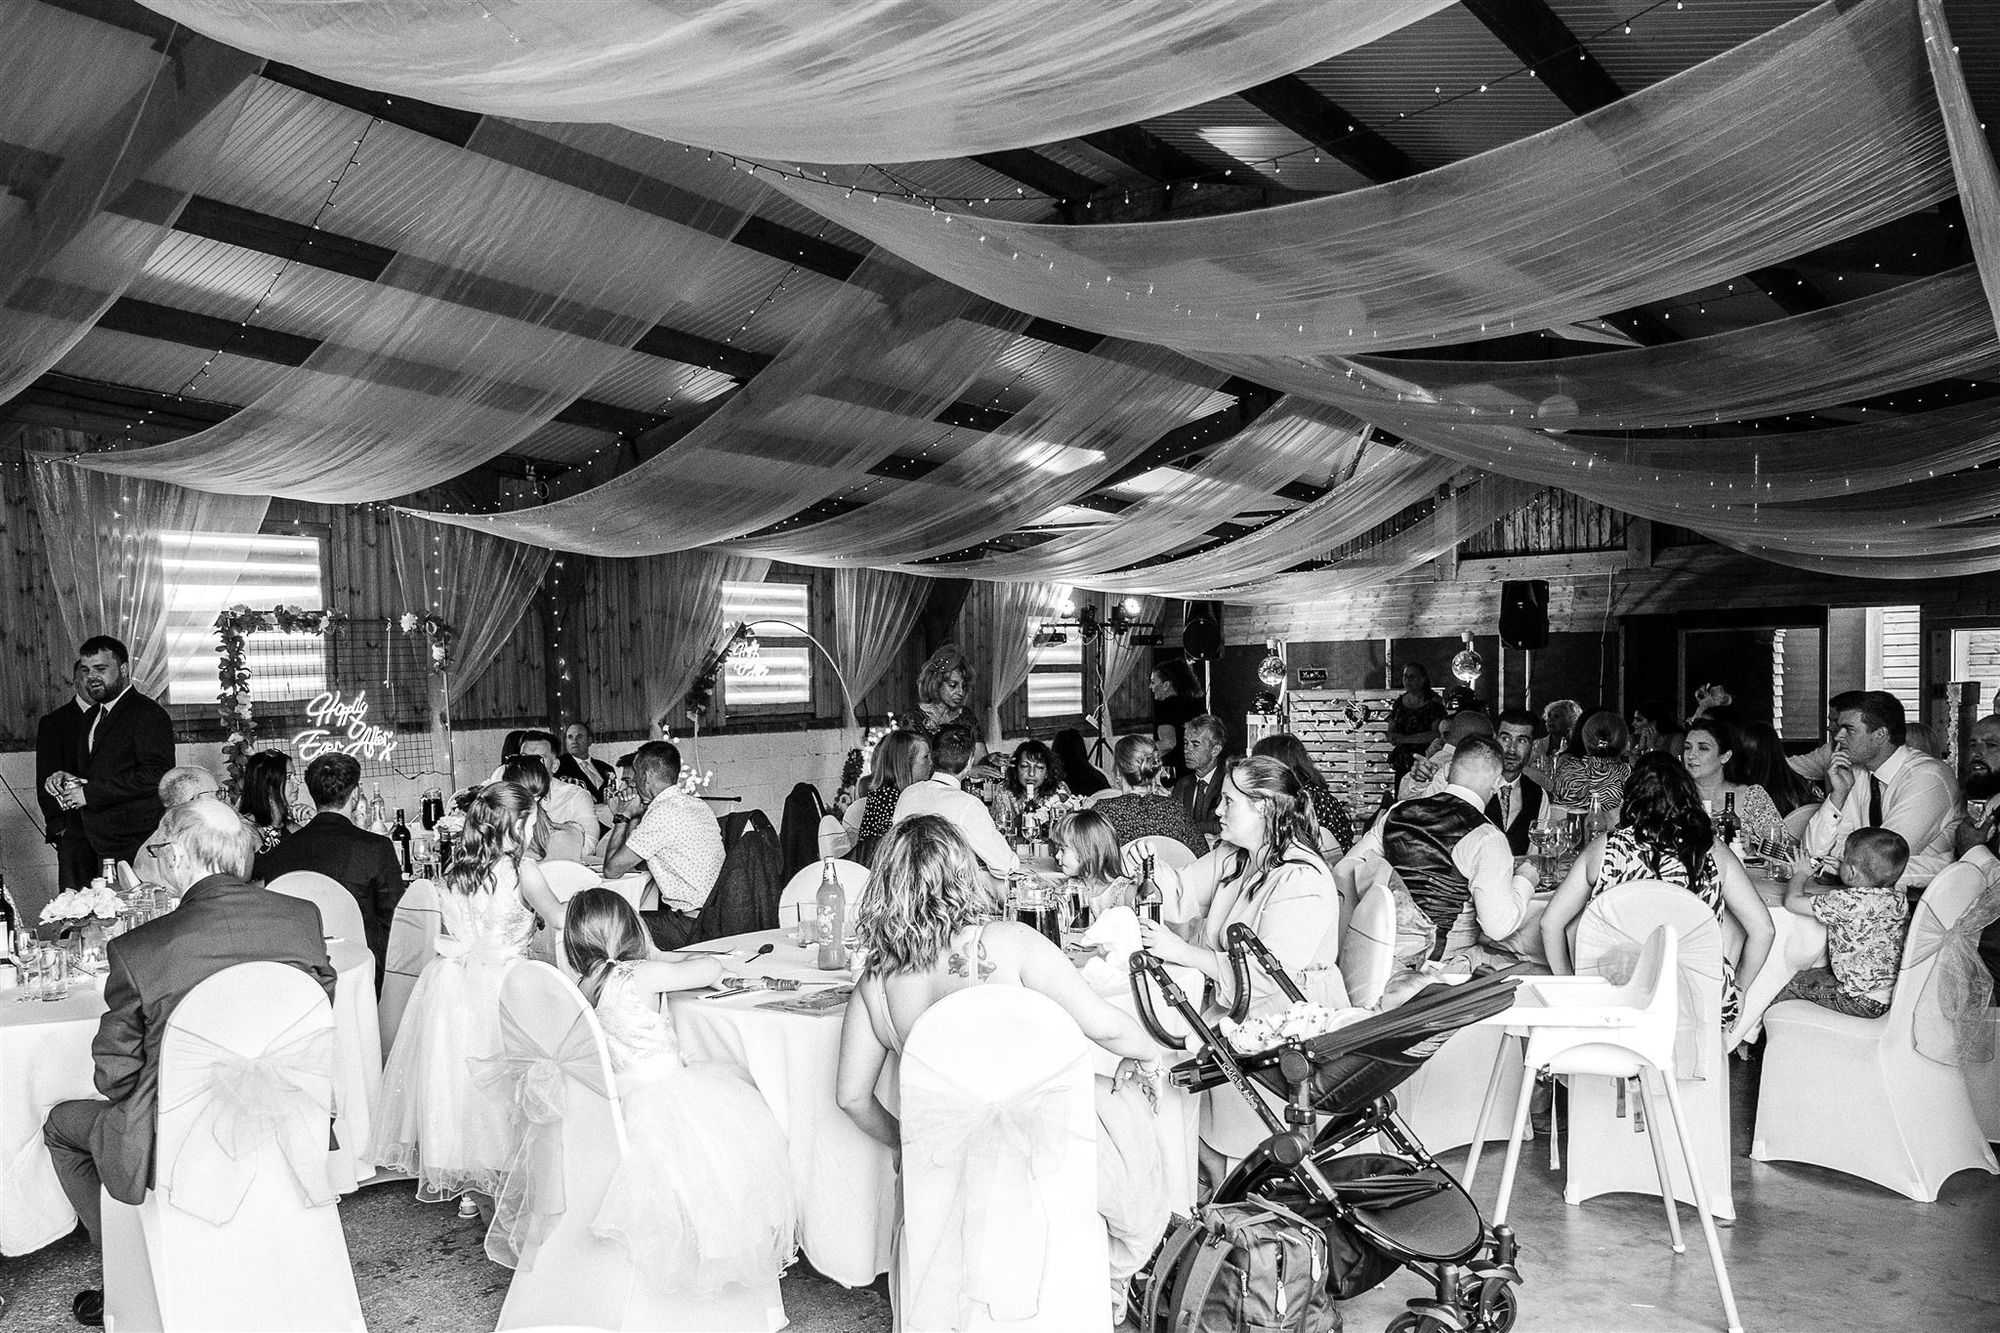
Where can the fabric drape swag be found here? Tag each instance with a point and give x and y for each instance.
(1121, 656)
(481, 586)
(816, 80)
(874, 611)
(111, 542)
(1001, 616)
(677, 600)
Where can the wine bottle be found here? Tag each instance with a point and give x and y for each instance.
(1150, 902)
(400, 835)
(1727, 825)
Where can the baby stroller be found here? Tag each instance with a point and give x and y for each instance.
(1378, 1211)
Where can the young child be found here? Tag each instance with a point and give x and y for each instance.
(704, 1198)
(1865, 922)
(1087, 852)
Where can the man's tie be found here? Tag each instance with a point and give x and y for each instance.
(1506, 804)
(90, 736)
(1874, 801)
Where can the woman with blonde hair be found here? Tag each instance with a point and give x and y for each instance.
(928, 926)
(944, 693)
(902, 759)
(435, 1120)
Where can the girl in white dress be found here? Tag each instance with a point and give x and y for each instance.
(437, 1120)
(703, 1199)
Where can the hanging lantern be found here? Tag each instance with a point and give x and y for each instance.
(1271, 671)
(1468, 664)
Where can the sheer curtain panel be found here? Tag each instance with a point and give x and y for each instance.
(481, 586)
(676, 600)
(874, 611)
(819, 80)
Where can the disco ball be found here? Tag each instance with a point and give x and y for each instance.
(1272, 670)
(1468, 665)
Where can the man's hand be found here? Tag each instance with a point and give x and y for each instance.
(1839, 778)
(58, 782)
(71, 796)
(1422, 771)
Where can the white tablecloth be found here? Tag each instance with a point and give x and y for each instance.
(45, 1056)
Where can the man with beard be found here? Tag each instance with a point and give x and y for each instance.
(1979, 833)
(126, 746)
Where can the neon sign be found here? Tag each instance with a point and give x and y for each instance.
(340, 726)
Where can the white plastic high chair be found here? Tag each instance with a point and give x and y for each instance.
(1884, 1098)
(573, 1140)
(339, 914)
(1000, 1220)
(413, 937)
(801, 891)
(1582, 1026)
(240, 1230)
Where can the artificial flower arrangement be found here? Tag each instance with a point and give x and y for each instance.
(694, 784)
(1299, 1021)
(85, 904)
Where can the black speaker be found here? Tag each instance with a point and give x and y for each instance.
(1524, 613)
(1201, 632)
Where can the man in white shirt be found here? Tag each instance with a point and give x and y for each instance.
(673, 836)
(1517, 802)
(1428, 775)
(1812, 765)
(940, 794)
(572, 814)
(1875, 781)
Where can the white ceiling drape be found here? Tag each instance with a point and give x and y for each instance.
(479, 585)
(814, 80)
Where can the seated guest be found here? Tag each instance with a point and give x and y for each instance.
(902, 758)
(1598, 767)
(1918, 736)
(1200, 788)
(1865, 921)
(1875, 781)
(1035, 777)
(576, 765)
(332, 844)
(1558, 720)
(1327, 810)
(568, 808)
(938, 793)
(1813, 765)
(1651, 722)
(178, 787)
(547, 840)
(1664, 834)
(1760, 760)
(1709, 753)
(1087, 854)
(263, 802)
(109, 1145)
(1138, 808)
(1267, 873)
(1078, 772)
(1517, 803)
(1979, 835)
(670, 834)
(703, 1199)
(926, 928)
(1429, 774)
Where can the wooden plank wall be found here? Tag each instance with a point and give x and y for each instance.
(1554, 522)
(35, 651)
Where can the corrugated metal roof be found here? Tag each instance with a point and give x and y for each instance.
(1668, 39)
(1231, 133)
(215, 278)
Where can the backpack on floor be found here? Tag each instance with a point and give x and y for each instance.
(1250, 1265)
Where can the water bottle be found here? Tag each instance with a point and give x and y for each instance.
(830, 906)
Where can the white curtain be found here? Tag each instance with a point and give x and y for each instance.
(1000, 617)
(481, 586)
(677, 601)
(510, 295)
(874, 611)
(820, 80)
(1815, 131)
(868, 375)
(1120, 656)
(98, 123)
(112, 542)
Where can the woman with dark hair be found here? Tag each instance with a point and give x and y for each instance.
(1081, 775)
(510, 748)
(1290, 751)
(1177, 700)
(1760, 759)
(1664, 835)
(1596, 767)
(265, 777)
(1266, 873)
(1709, 753)
(1034, 778)
(1414, 718)
(1137, 808)
(1650, 721)
(902, 759)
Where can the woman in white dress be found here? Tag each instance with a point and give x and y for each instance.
(1266, 872)
(704, 1198)
(436, 1120)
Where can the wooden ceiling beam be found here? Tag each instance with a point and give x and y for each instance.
(1310, 114)
(1540, 40)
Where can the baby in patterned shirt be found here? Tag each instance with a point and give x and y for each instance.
(1865, 921)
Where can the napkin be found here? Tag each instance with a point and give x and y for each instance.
(1116, 932)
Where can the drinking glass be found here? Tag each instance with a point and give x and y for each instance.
(30, 961)
(53, 962)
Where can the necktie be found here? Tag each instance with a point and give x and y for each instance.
(90, 740)
(1874, 801)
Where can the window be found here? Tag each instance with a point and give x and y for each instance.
(207, 572)
(1055, 670)
(771, 671)
(1894, 655)
(1975, 656)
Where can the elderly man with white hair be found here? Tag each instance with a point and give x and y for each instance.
(177, 788)
(224, 919)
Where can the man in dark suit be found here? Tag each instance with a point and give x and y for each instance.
(223, 920)
(127, 746)
(1517, 801)
(335, 846)
(1200, 788)
(59, 749)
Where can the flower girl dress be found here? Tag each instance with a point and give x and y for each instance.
(436, 1119)
(703, 1200)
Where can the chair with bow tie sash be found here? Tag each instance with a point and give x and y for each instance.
(240, 1230)
(1000, 1220)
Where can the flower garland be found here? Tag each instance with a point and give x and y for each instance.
(441, 635)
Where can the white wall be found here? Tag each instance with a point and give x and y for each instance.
(761, 768)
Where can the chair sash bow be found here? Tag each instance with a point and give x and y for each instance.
(994, 1153)
(1950, 1019)
(1696, 1029)
(281, 1098)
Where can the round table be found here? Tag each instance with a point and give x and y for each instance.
(1798, 942)
(45, 1051)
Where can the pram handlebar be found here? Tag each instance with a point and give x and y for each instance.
(1145, 965)
(1243, 942)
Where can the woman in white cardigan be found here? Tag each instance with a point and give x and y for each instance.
(1266, 872)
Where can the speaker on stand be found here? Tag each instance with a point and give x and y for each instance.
(1524, 624)
(1201, 641)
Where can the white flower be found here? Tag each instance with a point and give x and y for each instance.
(453, 822)
(65, 906)
(408, 621)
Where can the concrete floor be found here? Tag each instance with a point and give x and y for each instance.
(1811, 1250)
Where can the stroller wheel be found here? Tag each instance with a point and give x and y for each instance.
(1416, 1321)
(1501, 1303)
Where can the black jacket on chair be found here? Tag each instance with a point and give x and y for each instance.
(122, 766)
(365, 863)
(746, 892)
(798, 840)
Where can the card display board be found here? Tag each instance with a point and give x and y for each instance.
(365, 689)
(1347, 734)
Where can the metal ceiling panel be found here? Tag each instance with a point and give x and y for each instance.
(1668, 40)
(1230, 133)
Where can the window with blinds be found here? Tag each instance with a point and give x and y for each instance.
(207, 572)
(1055, 679)
(773, 671)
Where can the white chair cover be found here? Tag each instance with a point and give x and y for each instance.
(1982, 1084)
(1605, 1156)
(801, 892)
(1795, 822)
(832, 836)
(1368, 948)
(240, 1231)
(566, 879)
(1000, 1220)
(558, 1071)
(413, 936)
(1169, 852)
(339, 914)
(1858, 1094)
